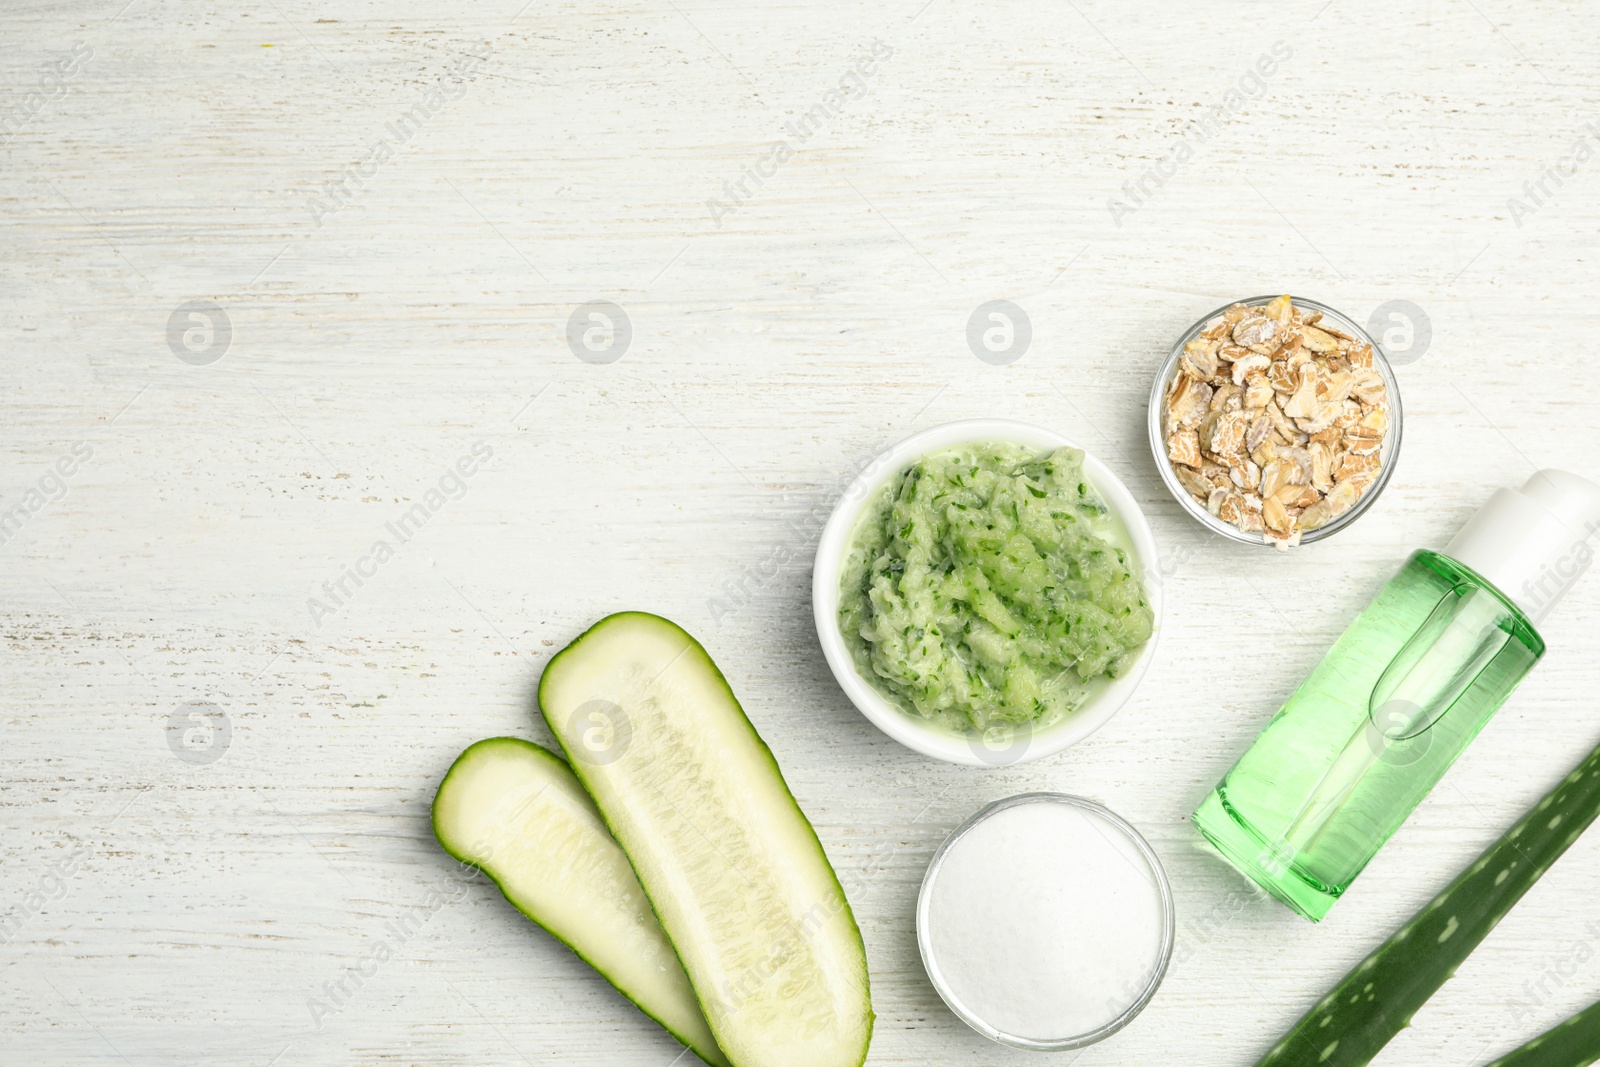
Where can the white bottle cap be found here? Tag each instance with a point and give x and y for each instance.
(1533, 543)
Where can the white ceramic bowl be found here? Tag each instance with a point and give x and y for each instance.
(975, 749)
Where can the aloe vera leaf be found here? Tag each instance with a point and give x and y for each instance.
(1377, 999)
(1574, 1042)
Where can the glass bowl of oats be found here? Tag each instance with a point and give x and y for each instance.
(1275, 420)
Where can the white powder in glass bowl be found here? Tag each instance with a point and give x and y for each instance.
(1045, 921)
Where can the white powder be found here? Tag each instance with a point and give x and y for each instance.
(1044, 921)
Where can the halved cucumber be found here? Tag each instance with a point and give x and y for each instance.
(733, 869)
(515, 811)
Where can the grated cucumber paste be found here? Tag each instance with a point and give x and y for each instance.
(983, 587)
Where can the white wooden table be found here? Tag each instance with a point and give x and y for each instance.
(390, 308)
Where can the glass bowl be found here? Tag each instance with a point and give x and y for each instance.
(1107, 849)
(1389, 453)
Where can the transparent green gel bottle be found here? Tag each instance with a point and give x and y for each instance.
(1400, 694)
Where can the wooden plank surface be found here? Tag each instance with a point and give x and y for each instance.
(399, 206)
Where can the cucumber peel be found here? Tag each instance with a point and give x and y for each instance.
(517, 813)
(1377, 999)
(730, 864)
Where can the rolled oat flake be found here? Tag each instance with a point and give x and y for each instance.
(1275, 420)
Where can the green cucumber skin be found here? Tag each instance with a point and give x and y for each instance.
(462, 761)
(1575, 1042)
(1377, 999)
(766, 752)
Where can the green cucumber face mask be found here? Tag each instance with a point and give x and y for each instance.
(986, 586)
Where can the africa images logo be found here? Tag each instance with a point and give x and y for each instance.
(451, 485)
(852, 85)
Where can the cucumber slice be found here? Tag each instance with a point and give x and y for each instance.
(731, 865)
(515, 811)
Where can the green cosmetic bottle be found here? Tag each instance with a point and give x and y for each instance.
(1400, 694)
